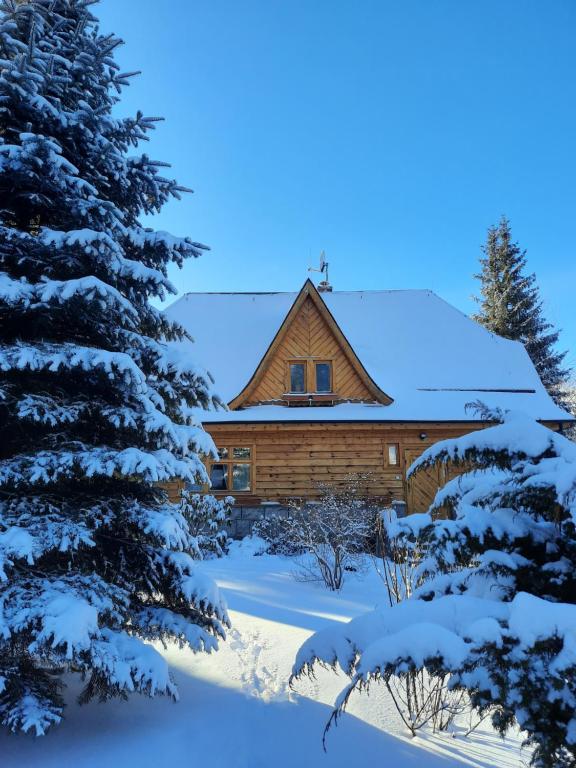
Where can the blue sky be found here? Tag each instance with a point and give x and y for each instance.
(390, 134)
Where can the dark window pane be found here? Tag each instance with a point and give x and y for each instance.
(393, 455)
(223, 453)
(297, 383)
(241, 477)
(323, 377)
(219, 477)
(241, 453)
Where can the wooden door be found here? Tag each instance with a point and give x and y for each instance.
(422, 487)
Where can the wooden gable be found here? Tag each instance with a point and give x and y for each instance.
(309, 334)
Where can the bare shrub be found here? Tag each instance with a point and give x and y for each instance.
(398, 552)
(334, 532)
(420, 698)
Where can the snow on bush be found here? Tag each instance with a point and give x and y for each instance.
(208, 519)
(420, 698)
(334, 531)
(496, 606)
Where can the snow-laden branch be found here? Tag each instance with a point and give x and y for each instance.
(22, 292)
(518, 435)
(66, 357)
(48, 467)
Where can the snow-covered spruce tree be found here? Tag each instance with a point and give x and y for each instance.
(208, 520)
(94, 406)
(510, 305)
(496, 608)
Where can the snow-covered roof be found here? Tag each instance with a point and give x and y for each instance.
(426, 354)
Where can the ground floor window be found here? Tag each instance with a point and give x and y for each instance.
(233, 470)
(392, 454)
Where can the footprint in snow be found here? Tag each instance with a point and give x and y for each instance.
(258, 679)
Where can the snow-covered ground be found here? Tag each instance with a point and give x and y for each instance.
(236, 710)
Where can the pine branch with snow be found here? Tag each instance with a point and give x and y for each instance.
(95, 406)
(208, 520)
(496, 603)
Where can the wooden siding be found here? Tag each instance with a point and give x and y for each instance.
(313, 328)
(173, 488)
(309, 337)
(291, 459)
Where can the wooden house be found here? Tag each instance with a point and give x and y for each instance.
(322, 385)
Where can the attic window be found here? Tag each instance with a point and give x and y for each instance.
(297, 377)
(323, 377)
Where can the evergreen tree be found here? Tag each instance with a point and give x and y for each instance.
(510, 305)
(95, 407)
(568, 400)
(496, 605)
(208, 520)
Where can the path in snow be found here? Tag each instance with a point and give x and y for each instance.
(236, 709)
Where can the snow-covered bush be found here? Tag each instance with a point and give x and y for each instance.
(334, 532)
(420, 698)
(95, 408)
(398, 552)
(497, 606)
(208, 519)
(275, 531)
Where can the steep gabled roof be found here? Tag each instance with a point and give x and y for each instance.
(309, 291)
(426, 355)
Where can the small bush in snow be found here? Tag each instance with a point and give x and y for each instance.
(208, 519)
(275, 530)
(334, 531)
(496, 608)
(399, 552)
(420, 698)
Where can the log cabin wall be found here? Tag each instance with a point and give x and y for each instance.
(289, 460)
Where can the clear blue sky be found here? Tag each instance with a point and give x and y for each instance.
(390, 133)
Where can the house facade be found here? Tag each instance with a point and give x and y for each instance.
(321, 386)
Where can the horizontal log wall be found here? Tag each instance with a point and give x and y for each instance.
(291, 459)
